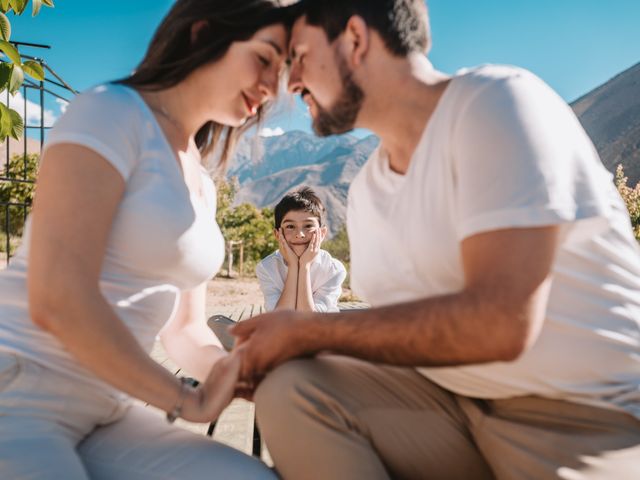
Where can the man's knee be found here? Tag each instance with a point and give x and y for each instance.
(278, 390)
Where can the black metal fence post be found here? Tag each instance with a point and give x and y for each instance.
(54, 87)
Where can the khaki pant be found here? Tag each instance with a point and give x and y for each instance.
(338, 418)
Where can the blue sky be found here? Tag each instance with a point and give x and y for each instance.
(574, 45)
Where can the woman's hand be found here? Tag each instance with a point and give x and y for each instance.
(205, 403)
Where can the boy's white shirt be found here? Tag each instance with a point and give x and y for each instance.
(327, 275)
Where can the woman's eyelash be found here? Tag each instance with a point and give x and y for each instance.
(265, 61)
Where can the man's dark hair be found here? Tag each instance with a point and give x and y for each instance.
(402, 24)
(304, 199)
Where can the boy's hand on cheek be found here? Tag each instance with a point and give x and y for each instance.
(312, 249)
(285, 249)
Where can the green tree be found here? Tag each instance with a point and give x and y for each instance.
(12, 68)
(631, 197)
(246, 223)
(16, 196)
(338, 246)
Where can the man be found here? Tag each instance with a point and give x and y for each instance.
(504, 341)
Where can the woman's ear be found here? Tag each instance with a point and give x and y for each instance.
(196, 29)
(357, 38)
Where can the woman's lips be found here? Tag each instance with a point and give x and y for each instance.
(252, 106)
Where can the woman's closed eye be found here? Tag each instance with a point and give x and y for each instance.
(266, 62)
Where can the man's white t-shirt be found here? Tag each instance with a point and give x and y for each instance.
(501, 151)
(163, 239)
(327, 275)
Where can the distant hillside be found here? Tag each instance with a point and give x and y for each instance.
(611, 116)
(267, 168)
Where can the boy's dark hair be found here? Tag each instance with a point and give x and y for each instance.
(304, 199)
(402, 24)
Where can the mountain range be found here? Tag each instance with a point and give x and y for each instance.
(267, 168)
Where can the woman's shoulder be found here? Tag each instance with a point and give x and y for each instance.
(103, 102)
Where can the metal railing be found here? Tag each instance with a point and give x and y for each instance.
(13, 213)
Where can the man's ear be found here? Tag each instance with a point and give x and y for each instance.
(196, 29)
(357, 39)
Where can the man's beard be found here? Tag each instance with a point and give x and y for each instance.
(342, 116)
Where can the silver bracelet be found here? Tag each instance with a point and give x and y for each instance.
(176, 411)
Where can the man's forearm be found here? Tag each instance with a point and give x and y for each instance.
(456, 329)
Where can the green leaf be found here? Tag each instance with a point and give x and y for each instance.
(5, 122)
(4, 5)
(34, 70)
(17, 124)
(17, 77)
(5, 75)
(5, 27)
(11, 52)
(36, 6)
(18, 6)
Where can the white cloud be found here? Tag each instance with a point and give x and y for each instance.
(63, 104)
(33, 110)
(271, 132)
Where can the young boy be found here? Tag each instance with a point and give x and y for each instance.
(299, 275)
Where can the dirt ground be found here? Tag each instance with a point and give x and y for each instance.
(224, 294)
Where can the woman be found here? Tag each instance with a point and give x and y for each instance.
(120, 244)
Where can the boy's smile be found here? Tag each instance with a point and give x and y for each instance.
(298, 227)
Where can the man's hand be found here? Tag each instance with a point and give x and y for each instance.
(312, 249)
(286, 251)
(269, 340)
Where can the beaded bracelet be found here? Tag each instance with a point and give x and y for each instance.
(177, 409)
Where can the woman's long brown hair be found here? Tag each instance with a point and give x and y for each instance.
(172, 55)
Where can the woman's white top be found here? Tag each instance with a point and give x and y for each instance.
(163, 240)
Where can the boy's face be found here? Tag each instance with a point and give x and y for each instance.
(299, 226)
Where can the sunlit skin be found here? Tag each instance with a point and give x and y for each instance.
(313, 70)
(227, 91)
(400, 95)
(299, 229)
(299, 238)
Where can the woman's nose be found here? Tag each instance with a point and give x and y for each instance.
(269, 84)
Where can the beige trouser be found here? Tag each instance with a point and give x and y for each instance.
(338, 418)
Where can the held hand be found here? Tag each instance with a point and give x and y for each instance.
(207, 402)
(286, 251)
(312, 249)
(269, 340)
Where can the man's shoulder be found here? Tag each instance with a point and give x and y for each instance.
(490, 73)
(495, 78)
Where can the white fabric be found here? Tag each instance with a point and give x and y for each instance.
(89, 435)
(500, 151)
(327, 275)
(163, 240)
